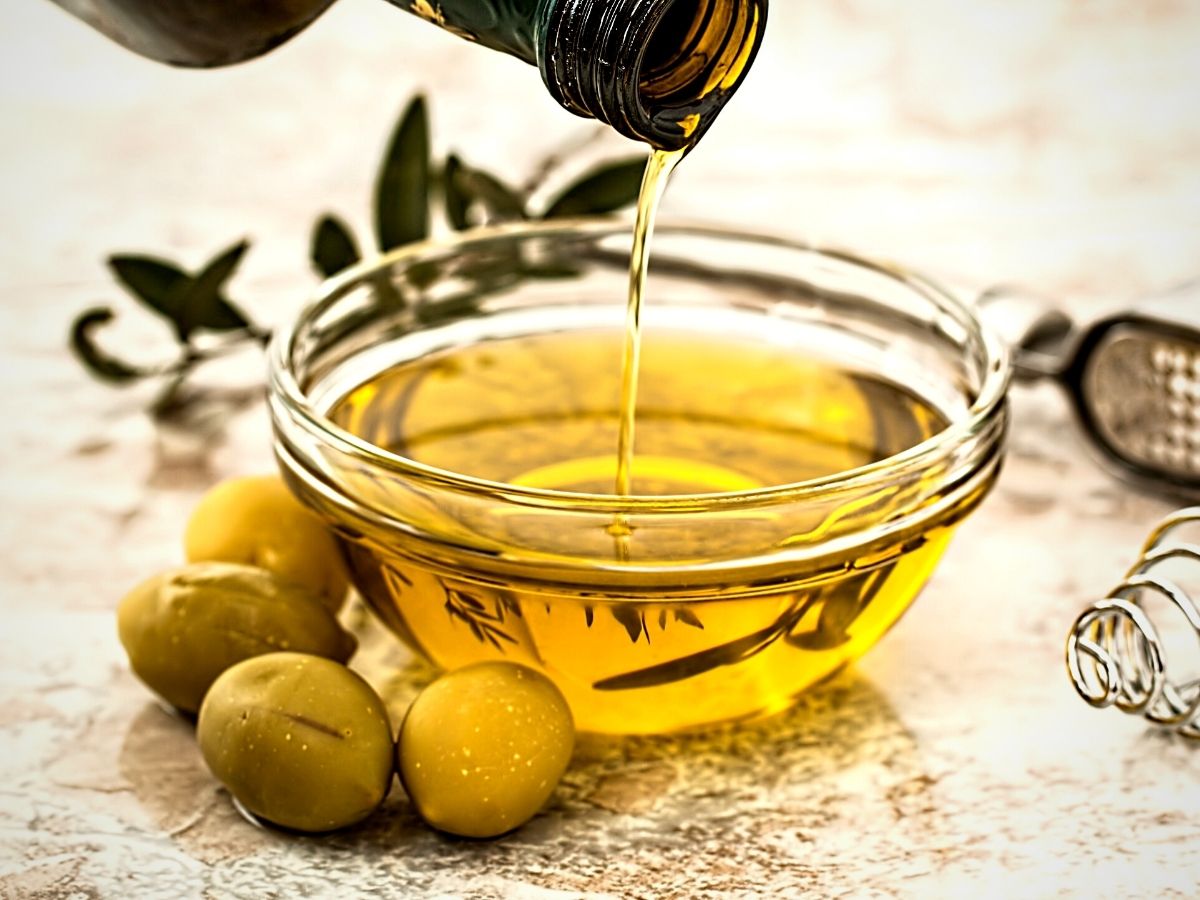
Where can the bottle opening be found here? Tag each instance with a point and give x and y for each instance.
(658, 71)
(695, 47)
(697, 53)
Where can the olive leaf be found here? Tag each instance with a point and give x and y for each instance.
(895, 424)
(843, 603)
(483, 623)
(402, 186)
(153, 282)
(633, 621)
(704, 661)
(686, 616)
(201, 303)
(466, 188)
(101, 364)
(455, 200)
(502, 201)
(603, 190)
(333, 246)
(405, 185)
(187, 302)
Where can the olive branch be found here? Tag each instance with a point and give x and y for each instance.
(410, 186)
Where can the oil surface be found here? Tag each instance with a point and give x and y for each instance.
(715, 414)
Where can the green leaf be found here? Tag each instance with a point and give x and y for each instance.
(402, 187)
(684, 667)
(603, 190)
(153, 282)
(100, 364)
(456, 201)
(632, 620)
(202, 303)
(501, 200)
(843, 603)
(333, 246)
(466, 187)
(186, 302)
(687, 617)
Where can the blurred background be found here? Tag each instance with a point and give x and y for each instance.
(1052, 142)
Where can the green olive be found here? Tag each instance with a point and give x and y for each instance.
(483, 747)
(298, 740)
(258, 522)
(184, 627)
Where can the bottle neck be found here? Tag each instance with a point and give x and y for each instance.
(657, 71)
(504, 25)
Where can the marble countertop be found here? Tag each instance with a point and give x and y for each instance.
(1041, 141)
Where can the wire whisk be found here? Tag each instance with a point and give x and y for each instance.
(1115, 654)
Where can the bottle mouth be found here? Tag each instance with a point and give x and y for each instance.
(658, 71)
(696, 49)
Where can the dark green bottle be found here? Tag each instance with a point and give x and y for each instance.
(657, 71)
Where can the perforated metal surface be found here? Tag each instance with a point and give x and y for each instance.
(1143, 390)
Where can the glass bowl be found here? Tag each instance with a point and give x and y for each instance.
(711, 596)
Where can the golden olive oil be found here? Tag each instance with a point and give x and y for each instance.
(654, 185)
(648, 623)
(715, 414)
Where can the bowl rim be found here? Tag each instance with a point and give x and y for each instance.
(288, 401)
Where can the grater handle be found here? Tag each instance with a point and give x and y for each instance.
(1033, 327)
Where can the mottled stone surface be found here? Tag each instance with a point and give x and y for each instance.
(1049, 142)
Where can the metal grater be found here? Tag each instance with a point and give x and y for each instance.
(1133, 377)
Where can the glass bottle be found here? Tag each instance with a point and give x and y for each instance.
(657, 71)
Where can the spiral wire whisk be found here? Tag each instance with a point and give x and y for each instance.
(1115, 654)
